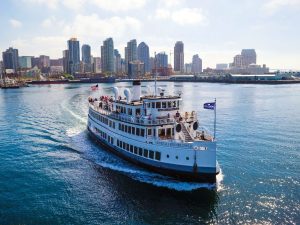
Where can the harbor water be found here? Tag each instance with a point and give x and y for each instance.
(51, 172)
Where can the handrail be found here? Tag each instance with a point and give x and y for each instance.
(132, 119)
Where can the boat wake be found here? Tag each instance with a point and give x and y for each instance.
(99, 156)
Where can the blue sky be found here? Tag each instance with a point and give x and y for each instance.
(215, 29)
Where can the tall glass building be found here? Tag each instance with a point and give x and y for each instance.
(74, 56)
(11, 59)
(107, 56)
(179, 56)
(143, 55)
(86, 54)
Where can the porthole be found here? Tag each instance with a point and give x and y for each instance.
(187, 158)
(176, 157)
(168, 156)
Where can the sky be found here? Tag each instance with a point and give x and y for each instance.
(217, 30)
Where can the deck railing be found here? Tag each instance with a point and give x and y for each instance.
(142, 120)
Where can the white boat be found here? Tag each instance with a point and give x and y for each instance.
(152, 131)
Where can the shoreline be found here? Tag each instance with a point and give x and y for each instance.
(270, 82)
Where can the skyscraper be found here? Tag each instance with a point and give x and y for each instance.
(143, 55)
(74, 55)
(196, 64)
(161, 60)
(86, 54)
(117, 59)
(130, 53)
(25, 62)
(179, 56)
(11, 59)
(249, 56)
(107, 56)
(66, 60)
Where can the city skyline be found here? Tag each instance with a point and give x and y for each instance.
(208, 28)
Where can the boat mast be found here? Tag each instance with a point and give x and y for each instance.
(155, 74)
(215, 121)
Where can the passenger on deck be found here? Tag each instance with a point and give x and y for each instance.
(177, 114)
(202, 136)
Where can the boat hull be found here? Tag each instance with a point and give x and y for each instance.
(194, 176)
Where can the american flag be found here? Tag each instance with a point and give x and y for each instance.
(94, 88)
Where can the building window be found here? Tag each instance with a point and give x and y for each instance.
(157, 156)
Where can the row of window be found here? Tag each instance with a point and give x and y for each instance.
(129, 111)
(132, 130)
(163, 105)
(139, 151)
(105, 136)
(103, 119)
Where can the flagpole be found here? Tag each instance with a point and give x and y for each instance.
(215, 121)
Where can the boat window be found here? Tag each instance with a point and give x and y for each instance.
(169, 131)
(138, 112)
(123, 145)
(129, 129)
(127, 147)
(133, 130)
(169, 104)
(157, 156)
(140, 151)
(119, 126)
(135, 148)
(146, 153)
(153, 105)
(158, 105)
(164, 105)
(122, 126)
(138, 131)
(126, 128)
(135, 151)
(149, 131)
(131, 148)
(148, 105)
(118, 142)
(129, 111)
(142, 132)
(151, 154)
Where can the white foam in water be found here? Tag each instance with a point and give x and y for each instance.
(78, 117)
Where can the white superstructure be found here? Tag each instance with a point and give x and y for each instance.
(153, 132)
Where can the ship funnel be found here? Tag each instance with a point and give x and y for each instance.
(136, 90)
(116, 92)
(127, 93)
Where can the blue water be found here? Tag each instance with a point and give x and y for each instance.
(51, 172)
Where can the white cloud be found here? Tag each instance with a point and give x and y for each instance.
(52, 4)
(172, 3)
(119, 5)
(92, 26)
(53, 22)
(184, 16)
(272, 6)
(74, 4)
(15, 23)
